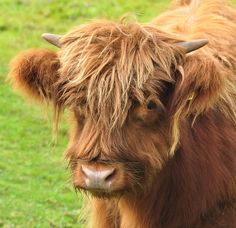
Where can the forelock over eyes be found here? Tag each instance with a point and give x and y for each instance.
(94, 63)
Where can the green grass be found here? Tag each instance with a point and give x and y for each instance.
(34, 186)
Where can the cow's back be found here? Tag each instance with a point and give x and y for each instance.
(194, 19)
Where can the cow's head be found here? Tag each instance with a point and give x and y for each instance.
(119, 82)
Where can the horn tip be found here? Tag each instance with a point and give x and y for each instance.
(47, 36)
(204, 41)
(52, 38)
(44, 35)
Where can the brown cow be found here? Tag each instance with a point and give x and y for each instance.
(153, 135)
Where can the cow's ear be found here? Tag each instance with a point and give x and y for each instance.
(34, 72)
(199, 83)
(198, 86)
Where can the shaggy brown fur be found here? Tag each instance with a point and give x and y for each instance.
(163, 119)
(34, 71)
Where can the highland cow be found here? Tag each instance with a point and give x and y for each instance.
(153, 107)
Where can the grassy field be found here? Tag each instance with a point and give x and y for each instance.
(34, 186)
(34, 183)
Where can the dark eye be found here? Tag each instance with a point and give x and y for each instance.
(151, 105)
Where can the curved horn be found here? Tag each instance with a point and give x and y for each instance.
(52, 39)
(193, 45)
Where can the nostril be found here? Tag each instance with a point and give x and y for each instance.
(111, 175)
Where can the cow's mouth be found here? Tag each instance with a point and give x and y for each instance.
(107, 194)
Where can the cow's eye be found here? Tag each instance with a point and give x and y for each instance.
(151, 105)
